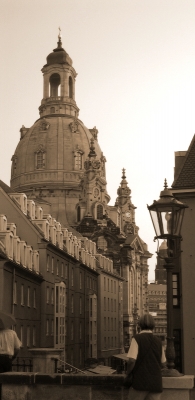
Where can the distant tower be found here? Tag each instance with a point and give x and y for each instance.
(160, 271)
(126, 206)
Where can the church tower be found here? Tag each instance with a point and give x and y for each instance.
(48, 163)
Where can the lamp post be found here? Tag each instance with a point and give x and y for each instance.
(167, 217)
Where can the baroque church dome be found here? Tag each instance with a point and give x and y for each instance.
(48, 163)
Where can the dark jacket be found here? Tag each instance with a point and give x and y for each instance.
(147, 370)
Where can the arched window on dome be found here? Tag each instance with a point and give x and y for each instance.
(52, 110)
(99, 211)
(40, 158)
(55, 82)
(102, 243)
(78, 159)
(70, 87)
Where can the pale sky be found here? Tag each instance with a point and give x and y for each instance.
(135, 61)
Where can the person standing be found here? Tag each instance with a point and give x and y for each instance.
(146, 357)
(9, 348)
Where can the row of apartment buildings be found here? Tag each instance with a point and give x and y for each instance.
(62, 293)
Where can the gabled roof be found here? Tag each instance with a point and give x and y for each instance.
(186, 175)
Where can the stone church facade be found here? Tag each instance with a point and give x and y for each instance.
(59, 164)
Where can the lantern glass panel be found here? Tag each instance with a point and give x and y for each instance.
(155, 220)
(178, 217)
(167, 223)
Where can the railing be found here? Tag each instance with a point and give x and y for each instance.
(22, 365)
(65, 367)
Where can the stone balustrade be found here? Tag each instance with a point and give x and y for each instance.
(33, 386)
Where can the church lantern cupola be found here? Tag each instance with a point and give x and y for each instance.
(58, 84)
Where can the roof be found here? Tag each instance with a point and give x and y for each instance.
(5, 187)
(186, 174)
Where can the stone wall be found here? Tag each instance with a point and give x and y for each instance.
(33, 386)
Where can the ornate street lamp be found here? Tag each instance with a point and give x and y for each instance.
(167, 216)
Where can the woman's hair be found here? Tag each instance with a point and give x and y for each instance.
(146, 322)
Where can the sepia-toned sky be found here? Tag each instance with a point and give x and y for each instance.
(135, 61)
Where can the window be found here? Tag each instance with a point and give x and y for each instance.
(111, 304)
(52, 296)
(108, 323)
(108, 285)
(80, 330)
(62, 269)
(72, 277)
(52, 327)
(47, 327)
(72, 331)
(104, 283)
(108, 304)
(40, 159)
(114, 286)
(176, 294)
(52, 110)
(80, 280)
(34, 298)
(80, 305)
(78, 214)
(111, 286)
(72, 303)
(47, 295)
(57, 268)
(90, 283)
(99, 211)
(22, 295)
(34, 335)
(80, 356)
(54, 81)
(52, 265)
(15, 293)
(105, 323)
(66, 271)
(105, 342)
(104, 303)
(28, 336)
(28, 296)
(78, 165)
(70, 87)
(47, 262)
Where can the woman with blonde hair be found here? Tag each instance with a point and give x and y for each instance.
(145, 360)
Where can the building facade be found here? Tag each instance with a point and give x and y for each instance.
(183, 189)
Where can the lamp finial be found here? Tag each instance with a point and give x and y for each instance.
(165, 184)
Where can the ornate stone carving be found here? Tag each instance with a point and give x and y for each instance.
(94, 132)
(129, 229)
(74, 126)
(44, 125)
(95, 164)
(23, 131)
